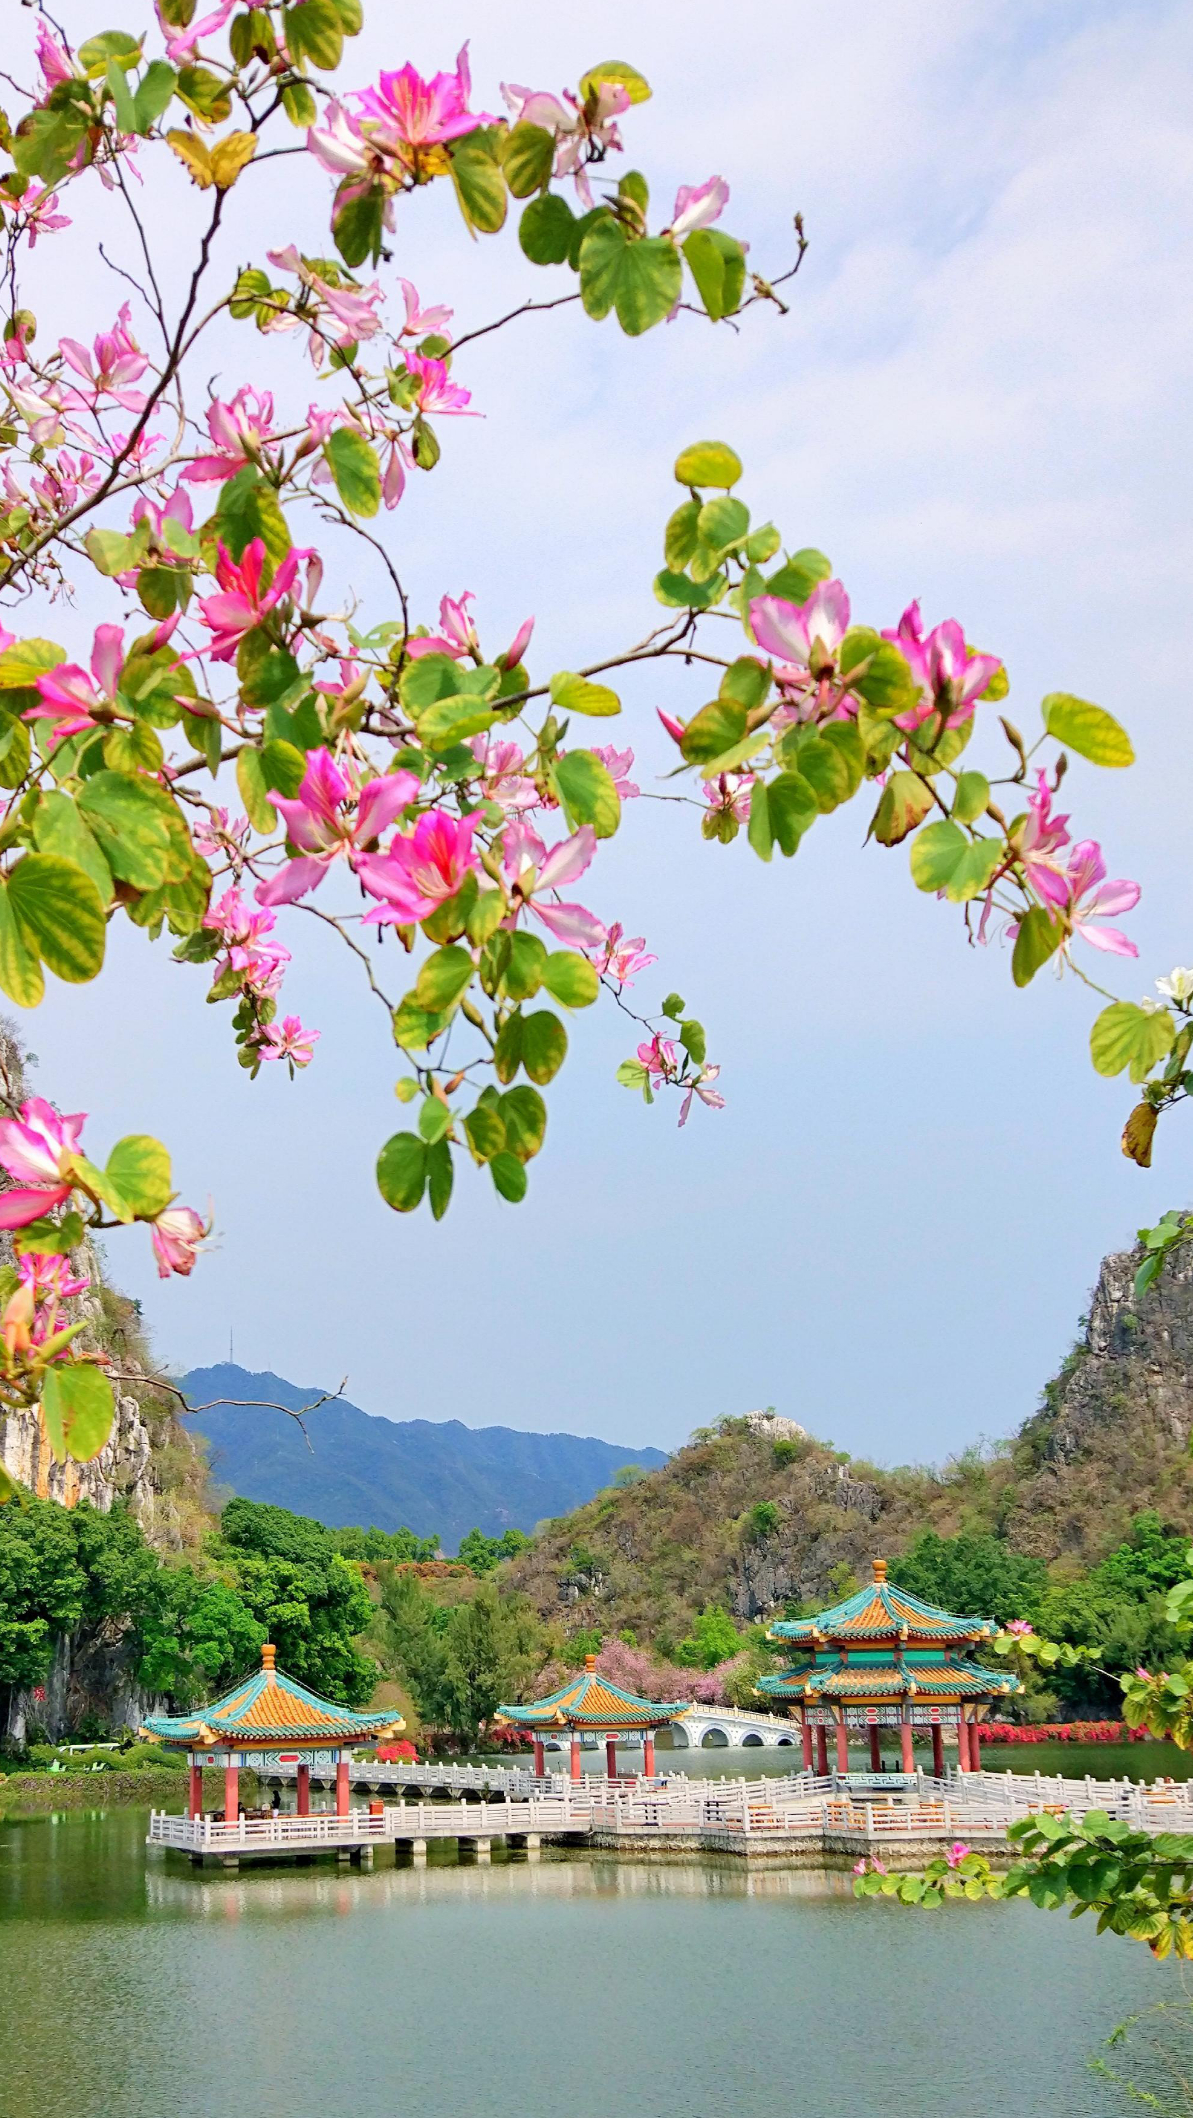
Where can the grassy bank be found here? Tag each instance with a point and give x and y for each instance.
(143, 1786)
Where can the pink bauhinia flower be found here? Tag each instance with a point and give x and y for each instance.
(115, 363)
(73, 699)
(240, 429)
(957, 1852)
(219, 833)
(404, 113)
(457, 633)
(37, 209)
(530, 871)
(288, 1040)
(181, 43)
(701, 1086)
(950, 677)
(420, 322)
(1091, 898)
(344, 314)
(178, 1235)
(729, 794)
(581, 130)
(518, 645)
(339, 145)
(658, 1057)
(501, 768)
(1022, 1626)
(436, 392)
(618, 764)
(1041, 835)
(617, 958)
(37, 1148)
(53, 59)
(243, 600)
(33, 1313)
(696, 205)
(422, 869)
(258, 963)
(803, 637)
(41, 410)
(329, 819)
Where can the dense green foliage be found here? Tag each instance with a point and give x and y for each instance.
(308, 1596)
(374, 1546)
(973, 1576)
(460, 1661)
(483, 1553)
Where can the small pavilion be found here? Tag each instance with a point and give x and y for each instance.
(590, 1704)
(270, 1721)
(884, 1659)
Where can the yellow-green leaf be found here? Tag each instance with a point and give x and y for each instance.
(1089, 730)
(1125, 1036)
(58, 909)
(573, 694)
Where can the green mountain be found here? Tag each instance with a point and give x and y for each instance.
(435, 1477)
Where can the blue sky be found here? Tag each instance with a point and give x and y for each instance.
(979, 397)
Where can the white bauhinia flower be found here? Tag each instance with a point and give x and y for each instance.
(1178, 986)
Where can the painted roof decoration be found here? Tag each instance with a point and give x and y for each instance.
(878, 1611)
(270, 1707)
(884, 1644)
(589, 1701)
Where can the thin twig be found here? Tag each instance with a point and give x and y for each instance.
(249, 1404)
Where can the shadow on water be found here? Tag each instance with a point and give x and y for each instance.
(134, 1986)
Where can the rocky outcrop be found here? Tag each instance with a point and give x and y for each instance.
(91, 1679)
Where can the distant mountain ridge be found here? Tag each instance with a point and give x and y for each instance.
(429, 1476)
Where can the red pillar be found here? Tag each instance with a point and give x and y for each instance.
(875, 1753)
(576, 1768)
(231, 1793)
(540, 1762)
(343, 1791)
(822, 1750)
(648, 1753)
(975, 1744)
(195, 1803)
(303, 1802)
(963, 1764)
(806, 1739)
(611, 1756)
(842, 1746)
(938, 1750)
(905, 1742)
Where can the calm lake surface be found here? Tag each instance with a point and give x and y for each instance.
(137, 1987)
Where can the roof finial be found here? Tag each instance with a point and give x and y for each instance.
(590, 1661)
(880, 1570)
(268, 1657)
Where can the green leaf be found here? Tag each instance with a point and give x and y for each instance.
(59, 828)
(976, 869)
(758, 831)
(402, 1171)
(254, 793)
(415, 1028)
(523, 974)
(358, 221)
(47, 140)
(25, 661)
(935, 853)
(602, 255)
(154, 94)
(723, 522)
(248, 507)
(746, 681)
(1126, 1036)
(694, 1042)
(121, 94)
(139, 1168)
(573, 694)
(299, 104)
(544, 1046)
(570, 978)
(791, 808)
(1089, 730)
(109, 551)
(971, 798)
(439, 1177)
(451, 720)
(58, 910)
(905, 803)
(283, 768)
(486, 1132)
(712, 731)
(20, 969)
(479, 182)
(354, 467)
(708, 463)
(718, 265)
(524, 1115)
(887, 684)
(507, 1052)
(1039, 937)
(545, 230)
(79, 1408)
(587, 790)
(314, 31)
(681, 593)
(434, 1119)
(621, 75)
(444, 979)
(832, 762)
(682, 535)
(650, 284)
(529, 153)
(509, 1176)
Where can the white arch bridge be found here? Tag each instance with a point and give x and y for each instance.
(725, 1727)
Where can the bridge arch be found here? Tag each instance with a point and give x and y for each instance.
(714, 1739)
(752, 1740)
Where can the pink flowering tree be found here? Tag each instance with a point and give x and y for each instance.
(239, 749)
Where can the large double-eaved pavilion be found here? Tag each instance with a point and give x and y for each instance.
(590, 1705)
(885, 1659)
(270, 1721)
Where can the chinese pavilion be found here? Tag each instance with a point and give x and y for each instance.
(269, 1721)
(883, 1659)
(592, 1704)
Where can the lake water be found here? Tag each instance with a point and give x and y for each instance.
(137, 1987)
